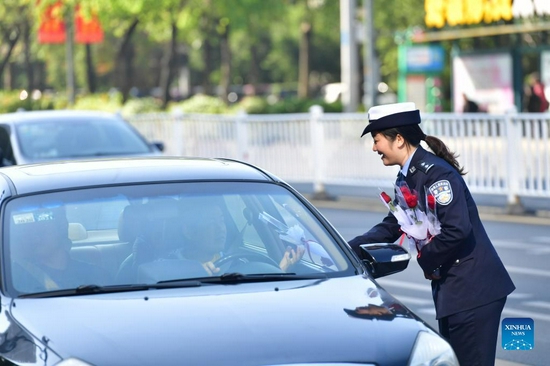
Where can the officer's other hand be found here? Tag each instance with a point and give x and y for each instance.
(435, 275)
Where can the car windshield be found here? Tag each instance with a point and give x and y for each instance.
(158, 233)
(74, 137)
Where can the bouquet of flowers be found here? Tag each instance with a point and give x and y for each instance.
(419, 226)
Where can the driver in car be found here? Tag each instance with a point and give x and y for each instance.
(204, 231)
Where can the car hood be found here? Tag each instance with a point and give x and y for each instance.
(245, 324)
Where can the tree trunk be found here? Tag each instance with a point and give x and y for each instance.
(225, 79)
(27, 53)
(207, 59)
(254, 71)
(303, 63)
(167, 67)
(128, 72)
(124, 61)
(11, 42)
(90, 72)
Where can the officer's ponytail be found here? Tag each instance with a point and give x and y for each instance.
(440, 149)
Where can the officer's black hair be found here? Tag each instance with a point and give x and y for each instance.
(413, 134)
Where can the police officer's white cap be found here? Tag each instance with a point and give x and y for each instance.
(385, 116)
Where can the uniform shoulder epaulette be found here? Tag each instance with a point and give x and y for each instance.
(424, 166)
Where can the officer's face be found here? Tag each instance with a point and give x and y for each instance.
(387, 149)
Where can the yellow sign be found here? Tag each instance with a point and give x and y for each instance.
(462, 12)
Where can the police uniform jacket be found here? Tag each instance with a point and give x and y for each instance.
(472, 273)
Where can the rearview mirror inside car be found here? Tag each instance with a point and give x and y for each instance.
(382, 259)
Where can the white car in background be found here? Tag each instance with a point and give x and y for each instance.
(36, 136)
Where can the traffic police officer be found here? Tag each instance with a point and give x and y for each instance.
(469, 281)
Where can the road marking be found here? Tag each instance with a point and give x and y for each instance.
(525, 314)
(541, 239)
(519, 295)
(529, 248)
(538, 304)
(406, 285)
(407, 300)
(528, 271)
(508, 311)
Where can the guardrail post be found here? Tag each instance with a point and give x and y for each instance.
(178, 137)
(318, 152)
(513, 168)
(242, 135)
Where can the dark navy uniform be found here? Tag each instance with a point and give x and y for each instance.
(474, 283)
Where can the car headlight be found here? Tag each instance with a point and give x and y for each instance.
(73, 362)
(432, 350)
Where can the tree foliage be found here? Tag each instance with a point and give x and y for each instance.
(223, 44)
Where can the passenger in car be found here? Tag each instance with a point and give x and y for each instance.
(40, 254)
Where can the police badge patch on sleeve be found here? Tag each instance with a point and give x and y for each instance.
(442, 192)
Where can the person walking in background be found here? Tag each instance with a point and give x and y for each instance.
(534, 95)
(469, 105)
(469, 281)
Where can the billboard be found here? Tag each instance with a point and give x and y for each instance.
(487, 79)
(422, 59)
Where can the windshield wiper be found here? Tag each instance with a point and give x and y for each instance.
(227, 278)
(236, 277)
(96, 289)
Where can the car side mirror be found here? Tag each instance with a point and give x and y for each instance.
(383, 259)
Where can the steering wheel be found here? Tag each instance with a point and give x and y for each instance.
(231, 258)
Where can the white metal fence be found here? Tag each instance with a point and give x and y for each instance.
(503, 154)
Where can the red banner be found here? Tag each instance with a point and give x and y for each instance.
(87, 29)
(52, 27)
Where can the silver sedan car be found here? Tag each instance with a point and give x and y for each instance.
(35, 136)
(190, 261)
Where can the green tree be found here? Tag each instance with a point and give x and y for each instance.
(16, 25)
(393, 17)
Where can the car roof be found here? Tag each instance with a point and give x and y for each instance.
(31, 178)
(26, 116)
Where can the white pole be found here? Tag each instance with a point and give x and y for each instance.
(368, 57)
(69, 42)
(348, 56)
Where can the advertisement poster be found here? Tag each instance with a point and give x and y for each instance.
(485, 79)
